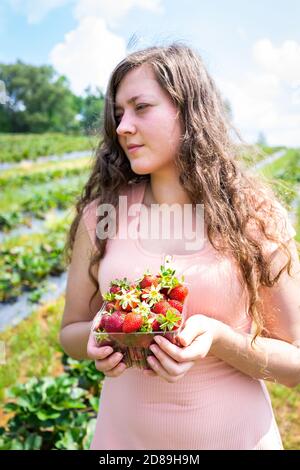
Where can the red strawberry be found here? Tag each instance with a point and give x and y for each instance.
(148, 281)
(161, 307)
(179, 293)
(164, 291)
(132, 322)
(102, 321)
(176, 304)
(170, 321)
(155, 324)
(114, 289)
(120, 312)
(114, 322)
(110, 306)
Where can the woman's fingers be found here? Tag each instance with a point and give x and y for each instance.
(94, 351)
(106, 360)
(99, 352)
(108, 364)
(116, 371)
(165, 366)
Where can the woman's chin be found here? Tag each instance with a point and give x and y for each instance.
(140, 169)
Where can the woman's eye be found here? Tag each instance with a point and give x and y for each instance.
(138, 107)
(141, 106)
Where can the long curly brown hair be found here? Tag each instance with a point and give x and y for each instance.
(209, 164)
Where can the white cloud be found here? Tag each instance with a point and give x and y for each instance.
(283, 61)
(113, 11)
(88, 54)
(261, 103)
(36, 10)
(252, 99)
(268, 98)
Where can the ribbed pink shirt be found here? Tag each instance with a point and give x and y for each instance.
(214, 406)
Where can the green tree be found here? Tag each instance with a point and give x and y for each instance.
(91, 109)
(38, 100)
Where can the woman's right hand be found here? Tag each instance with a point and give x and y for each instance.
(106, 360)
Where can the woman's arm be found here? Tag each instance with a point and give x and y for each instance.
(77, 317)
(271, 359)
(276, 357)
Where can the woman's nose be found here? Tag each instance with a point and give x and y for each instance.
(125, 125)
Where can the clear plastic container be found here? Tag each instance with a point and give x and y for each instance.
(134, 346)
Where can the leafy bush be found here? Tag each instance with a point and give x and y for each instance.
(49, 413)
(85, 371)
(24, 266)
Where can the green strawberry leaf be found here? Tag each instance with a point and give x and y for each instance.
(168, 321)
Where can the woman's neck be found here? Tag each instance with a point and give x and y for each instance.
(165, 189)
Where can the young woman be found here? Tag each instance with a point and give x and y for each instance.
(242, 325)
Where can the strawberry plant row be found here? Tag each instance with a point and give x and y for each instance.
(18, 147)
(24, 263)
(19, 179)
(36, 202)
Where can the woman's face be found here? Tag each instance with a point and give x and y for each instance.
(151, 121)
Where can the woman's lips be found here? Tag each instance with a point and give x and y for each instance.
(134, 149)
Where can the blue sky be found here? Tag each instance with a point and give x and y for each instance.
(252, 49)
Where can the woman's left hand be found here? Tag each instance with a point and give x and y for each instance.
(171, 362)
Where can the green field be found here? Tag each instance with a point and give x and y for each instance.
(18, 147)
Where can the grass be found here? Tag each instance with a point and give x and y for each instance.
(252, 154)
(286, 406)
(32, 348)
(18, 147)
(278, 165)
(31, 171)
(285, 188)
(13, 200)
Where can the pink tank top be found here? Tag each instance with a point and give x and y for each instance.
(214, 406)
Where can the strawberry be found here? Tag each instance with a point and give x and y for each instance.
(176, 304)
(114, 322)
(161, 307)
(132, 322)
(120, 312)
(114, 289)
(155, 324)
(170, 321)
(102, 321)
(110, 307)
(148, 281)
(164, 291)
(178, 293)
